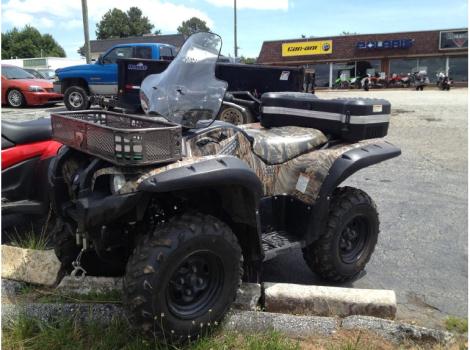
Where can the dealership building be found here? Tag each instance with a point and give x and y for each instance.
(392, 53)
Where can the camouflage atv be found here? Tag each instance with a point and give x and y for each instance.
(187, 207)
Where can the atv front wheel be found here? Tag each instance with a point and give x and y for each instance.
(181, 280)
(350, 238)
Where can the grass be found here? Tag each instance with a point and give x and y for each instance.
(29, 239)
(456, 324)
(32, 334)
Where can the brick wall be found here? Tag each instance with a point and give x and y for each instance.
(344, 47)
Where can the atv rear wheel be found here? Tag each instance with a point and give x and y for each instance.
(349, 241)
(181, 280)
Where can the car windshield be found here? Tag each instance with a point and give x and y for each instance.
(35, 73)
(11, 72)
(187, 92)
(47, 73)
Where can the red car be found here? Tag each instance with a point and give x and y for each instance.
(20, 88)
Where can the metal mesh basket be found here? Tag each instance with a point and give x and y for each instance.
(122, 139)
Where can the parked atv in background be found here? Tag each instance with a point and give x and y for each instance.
(398, 80)
(443, 81)
(27, 150)
(186, 207)
(374, 80)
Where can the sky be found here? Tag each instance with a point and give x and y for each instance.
(258, 20)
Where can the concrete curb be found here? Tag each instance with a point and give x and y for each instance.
(243, 321)
(329, 301)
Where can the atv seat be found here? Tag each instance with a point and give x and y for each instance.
(27, 132)
(278, 145)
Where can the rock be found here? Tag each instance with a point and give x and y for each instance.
(296, 326)
(29, 265)
(101, 313)
(329, 301)
(248, 296)
(397, 331)
(90, 284)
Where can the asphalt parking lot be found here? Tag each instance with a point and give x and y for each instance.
(422, 201)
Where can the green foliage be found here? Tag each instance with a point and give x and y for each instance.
(119, 24)
(192, 25)
(30, 239)
(29, 42)
(33, 334)
(456, 324)
(248, 60)
(344, 32)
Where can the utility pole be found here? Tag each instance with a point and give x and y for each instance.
(85, 29)
(235, 48)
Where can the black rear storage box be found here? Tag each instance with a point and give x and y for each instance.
(351, 119)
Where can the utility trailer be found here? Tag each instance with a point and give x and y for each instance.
(246, 82)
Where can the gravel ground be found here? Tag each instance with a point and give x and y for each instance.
(422, 201)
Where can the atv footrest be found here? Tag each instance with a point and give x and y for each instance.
(23, 207)
(275, 243)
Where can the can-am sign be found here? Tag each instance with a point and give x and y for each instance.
(303, 48)
(453, 39)
(385, 44)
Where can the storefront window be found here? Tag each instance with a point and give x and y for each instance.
(322, 74)
(458, 68)
(367, 67)
(403, 66)
(433, 66)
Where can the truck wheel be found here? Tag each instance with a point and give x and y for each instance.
(15, 98)
(234, 116)
(350, 238)
(76, 98)
(181, 280)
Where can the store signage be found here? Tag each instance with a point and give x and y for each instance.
(385, 44)
(303, 48)
(453, 39)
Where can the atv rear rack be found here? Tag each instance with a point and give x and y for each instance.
(121, 139)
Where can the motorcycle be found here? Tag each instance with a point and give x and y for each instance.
(419, 80)
(27, 149)
(443, 81)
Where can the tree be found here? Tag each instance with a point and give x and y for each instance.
(138, 24)
(29, 42)
(344, 32)
(192, 25)
(248, 60)
(118, 24)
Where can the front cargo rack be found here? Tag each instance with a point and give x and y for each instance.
(121, 139)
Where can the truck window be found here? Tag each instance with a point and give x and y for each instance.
(165, 53)
(143, 52)
(116, 53)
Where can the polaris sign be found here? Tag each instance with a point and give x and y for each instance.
(385, 44)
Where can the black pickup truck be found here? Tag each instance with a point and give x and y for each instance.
(246, 83)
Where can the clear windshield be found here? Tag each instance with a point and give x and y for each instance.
(187, 92)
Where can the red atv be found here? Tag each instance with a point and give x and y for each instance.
(27, 149)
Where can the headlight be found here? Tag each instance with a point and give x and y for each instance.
(117, 181)
(144, 101)
(35, 88)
